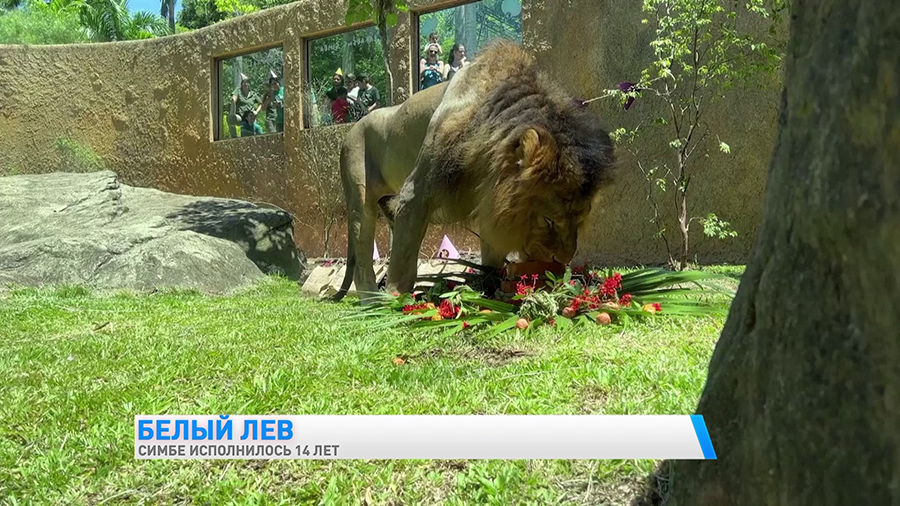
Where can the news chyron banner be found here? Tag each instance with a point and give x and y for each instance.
(509, 437)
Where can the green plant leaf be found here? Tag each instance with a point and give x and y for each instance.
(502, 327)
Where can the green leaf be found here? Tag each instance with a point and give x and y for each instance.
(456, 328)
(502, 327)
(724, 147)
(493, 305)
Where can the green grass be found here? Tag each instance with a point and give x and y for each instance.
(76, 367)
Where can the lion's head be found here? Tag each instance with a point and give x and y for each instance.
(546, 160)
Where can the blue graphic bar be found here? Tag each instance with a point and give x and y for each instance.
(703, 437)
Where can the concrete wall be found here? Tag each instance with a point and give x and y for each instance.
(145, 107)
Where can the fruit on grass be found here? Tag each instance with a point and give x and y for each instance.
(522, 323)
(398, 361)
(486, 311)
(604, 319)
(652, 308)
(437, 317)
(429, 306)
(569, 312)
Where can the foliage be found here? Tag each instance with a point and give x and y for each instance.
(110, 20)
(576, 298)
(236, 7)
(357, 51)
(384, 13)
(97, 21)
(56, 22)
(360, 11)
(199, 13)
(77, 157)
(699, 54)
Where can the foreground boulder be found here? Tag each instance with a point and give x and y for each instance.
(89, 229)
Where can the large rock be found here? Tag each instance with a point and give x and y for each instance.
(90, 229)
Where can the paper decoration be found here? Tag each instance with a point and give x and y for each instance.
(447, 250)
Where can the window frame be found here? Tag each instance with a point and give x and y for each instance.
(216, 69)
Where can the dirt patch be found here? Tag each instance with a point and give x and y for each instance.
(594, 398)
(450, 465)
(627, 491)
(493, 357)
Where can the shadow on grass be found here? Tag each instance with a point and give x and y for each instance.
(655, 487)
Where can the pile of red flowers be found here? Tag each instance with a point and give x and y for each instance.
(607, 295)
(585, 298)
(446, 309)
(523, 288)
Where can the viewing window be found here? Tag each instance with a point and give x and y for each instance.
(345, 77)
(250, 98)
(450, 38)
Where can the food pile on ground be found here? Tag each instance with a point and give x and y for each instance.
(532, 294)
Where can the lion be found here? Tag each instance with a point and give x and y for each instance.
(500, 148)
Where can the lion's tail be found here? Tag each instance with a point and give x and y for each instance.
(348, 274)
(351, 247)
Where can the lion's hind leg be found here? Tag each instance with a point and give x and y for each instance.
(362, 211)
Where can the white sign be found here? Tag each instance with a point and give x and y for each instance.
(681, 437)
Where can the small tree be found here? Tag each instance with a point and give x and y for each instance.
(321, 176)
(699, 54)
(384, 14)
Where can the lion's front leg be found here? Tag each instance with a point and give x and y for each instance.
(410, 222)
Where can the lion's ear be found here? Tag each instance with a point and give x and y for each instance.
(536, 148)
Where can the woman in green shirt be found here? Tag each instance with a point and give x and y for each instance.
(244, 100)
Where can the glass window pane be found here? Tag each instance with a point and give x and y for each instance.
(345, 78)
(251, 94)
(451, 38)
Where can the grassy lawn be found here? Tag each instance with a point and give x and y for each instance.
(75, 368)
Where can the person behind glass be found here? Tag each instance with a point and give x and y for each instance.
(352, 86)
(340, 107)
(247, 120)
(455, 61)
(369, 96)
(244, 100)
(337, 82)
(431, 69)
(274, 101)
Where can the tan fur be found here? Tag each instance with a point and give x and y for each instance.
(500, 148)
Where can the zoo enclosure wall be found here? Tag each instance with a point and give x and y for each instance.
(147, 108)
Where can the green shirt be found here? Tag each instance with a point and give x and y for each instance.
(245, 102)
(279, 118)
(369, 96)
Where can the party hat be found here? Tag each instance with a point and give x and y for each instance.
(449, 247)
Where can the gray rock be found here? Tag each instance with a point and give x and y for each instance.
(90, 229)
